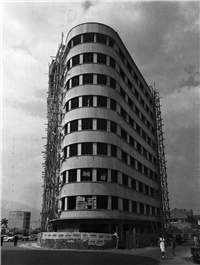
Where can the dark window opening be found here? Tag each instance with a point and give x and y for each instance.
(131, 141)
(102, 124)
(124, 180)
(125, 205)
(132, 162)
(88, 79)
(71, 203)
(102, 174)
(101, 58)
(72, 175)
(140, 186)
(73, 150)
(86, 174)
(101, 38)
(77, 40)
(101, 149)
(123, 113)
(88, 37)
(114, 203)
(64, 176)
(124, 134)
(63, 204)
(74, 126)
(133, 184)
(102, 80)
(74, 103)
(102, 202)
(112, 62)
(75, 81)
(129, 67)
(113, 127)
(111, 42)
(134, 207)
(88, 57)
(102, 101)
(112, 83)
(113, 150)
(87, 124)
(131, 122)
(114, 175)
(87, 101)
(122, 92)
(113, 104)
(86, 148)
(121, 72)
(139, 166)
(75, 60)
(121, 54)
(124, 156)
(141, 208)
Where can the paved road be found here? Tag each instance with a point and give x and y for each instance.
(24, 254)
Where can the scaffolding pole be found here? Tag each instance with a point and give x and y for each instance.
(162, 169)
(52, 153)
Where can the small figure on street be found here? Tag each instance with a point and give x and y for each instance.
(173, 244)
(15, 240)
(162, 246)
(2, 240)
(117, 240)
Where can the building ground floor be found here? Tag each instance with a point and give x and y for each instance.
(130, 232)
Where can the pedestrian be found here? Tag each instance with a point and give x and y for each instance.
(162, 246)
(173, 244)
(195, 241)
(15, 240)
(2, 240)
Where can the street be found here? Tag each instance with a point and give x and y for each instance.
(27, 254)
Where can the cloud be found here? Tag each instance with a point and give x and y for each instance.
(192, 74)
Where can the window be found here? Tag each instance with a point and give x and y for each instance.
(129, 84)
(67, 85)
(124, 134)
(101, 38)
(130, 102)
(139, 147)
(102, 80)
(101, 149)
(74, 126)
(124, 180)
(88, 37)
(139, 166)
(147, 209)
(131, 141)
(111, 42)
(112, 83)
(75, 81)
(123, 113)
(125, 205)
(63, 204)
(121, 54)
(112, 62)
(113, 104)
(88, 57)
(121, 72)
(71, 203)
(77, 40)
(114, 175)
(102, 124)
(153, 210)
(114, 203)
(73, 150)
(86, 148)
(131, 122)
(102, 174)
(140, 186)
(67, 106)
(152, 192)
(68, 65)
(72, 175)
(86, 174)
(113, 127)
(65, 151)
(113, 150)
(101, 58)
(122, 92)
(87, 124)
(102, 202)
(74, 103)
(88, 79)
(133, 184)
(75, 60)
(124, 156)
(66, 128)
(102, 101)
(87, 101)
(129, 66)
(64, 177)
(141, 208)
(134, 207)
(132, 161)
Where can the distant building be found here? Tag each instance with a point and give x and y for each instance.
(19, 219)
(35, 225)
(183, 220)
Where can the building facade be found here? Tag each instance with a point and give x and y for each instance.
(109, 174)
(19, 219)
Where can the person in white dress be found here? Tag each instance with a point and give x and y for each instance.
(162, 245)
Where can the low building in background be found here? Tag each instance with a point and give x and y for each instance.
(35, 225)
(19, 219)
(183, 222)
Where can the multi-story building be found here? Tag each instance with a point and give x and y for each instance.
(109, 172)
(19, 219)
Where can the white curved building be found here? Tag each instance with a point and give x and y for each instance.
(109, 175)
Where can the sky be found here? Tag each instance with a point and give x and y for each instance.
(163, 40)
